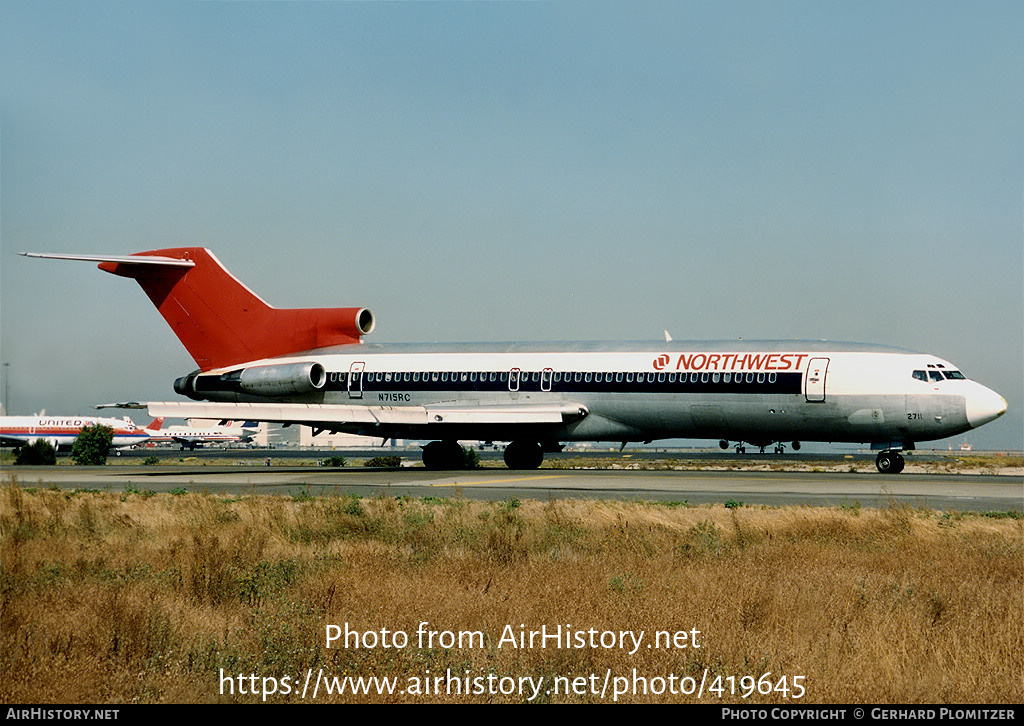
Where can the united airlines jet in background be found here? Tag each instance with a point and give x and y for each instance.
(60, 432)
(310, 366)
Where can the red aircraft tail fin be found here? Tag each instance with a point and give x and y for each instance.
(156, 423)
(219, 320)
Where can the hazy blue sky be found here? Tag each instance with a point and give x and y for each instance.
(499, 171)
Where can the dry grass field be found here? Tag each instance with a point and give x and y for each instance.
(191, 598)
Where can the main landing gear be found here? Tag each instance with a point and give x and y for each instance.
(889, 462)
(523, 455)
(440, 455)
(446, 455)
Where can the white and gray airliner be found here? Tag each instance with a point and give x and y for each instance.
(312, 367)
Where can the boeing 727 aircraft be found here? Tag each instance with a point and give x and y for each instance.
(311, 366)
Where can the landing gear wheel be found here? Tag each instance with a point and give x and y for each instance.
(440, 455)
(890, 462)
(523, 455)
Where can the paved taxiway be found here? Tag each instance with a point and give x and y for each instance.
(947, 492)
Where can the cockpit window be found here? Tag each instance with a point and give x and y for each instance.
(921, 376)
(955, 375)
(935, 375)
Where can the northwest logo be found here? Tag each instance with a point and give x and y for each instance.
(732, 362)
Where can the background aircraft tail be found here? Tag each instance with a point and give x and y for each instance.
(219, 320)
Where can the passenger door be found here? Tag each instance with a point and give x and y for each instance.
(814, 380)
(355, 379)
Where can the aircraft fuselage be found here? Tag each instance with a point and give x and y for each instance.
(759, 391)
(61, 431)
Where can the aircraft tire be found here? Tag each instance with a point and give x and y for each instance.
(432, 456)
(890, 462)
(523, 455)
(442, 455)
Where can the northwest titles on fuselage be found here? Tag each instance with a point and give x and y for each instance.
(733, 361)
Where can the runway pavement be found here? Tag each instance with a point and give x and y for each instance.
(945, 492)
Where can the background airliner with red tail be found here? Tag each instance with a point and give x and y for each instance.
(191, 436)
(311, 366)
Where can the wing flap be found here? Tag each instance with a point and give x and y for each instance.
(509, 414)
(293, 413)
(341, 414)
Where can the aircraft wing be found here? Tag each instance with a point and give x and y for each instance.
(329, 416)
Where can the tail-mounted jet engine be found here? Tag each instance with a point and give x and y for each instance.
(270, 381)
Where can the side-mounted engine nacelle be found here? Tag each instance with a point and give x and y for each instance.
(186, 386)
(269, 381)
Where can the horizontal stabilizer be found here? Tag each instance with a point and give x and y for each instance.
(117, 259)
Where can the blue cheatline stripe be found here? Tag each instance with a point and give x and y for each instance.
(540, 382)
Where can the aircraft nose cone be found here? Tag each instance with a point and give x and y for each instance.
(984, 405)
